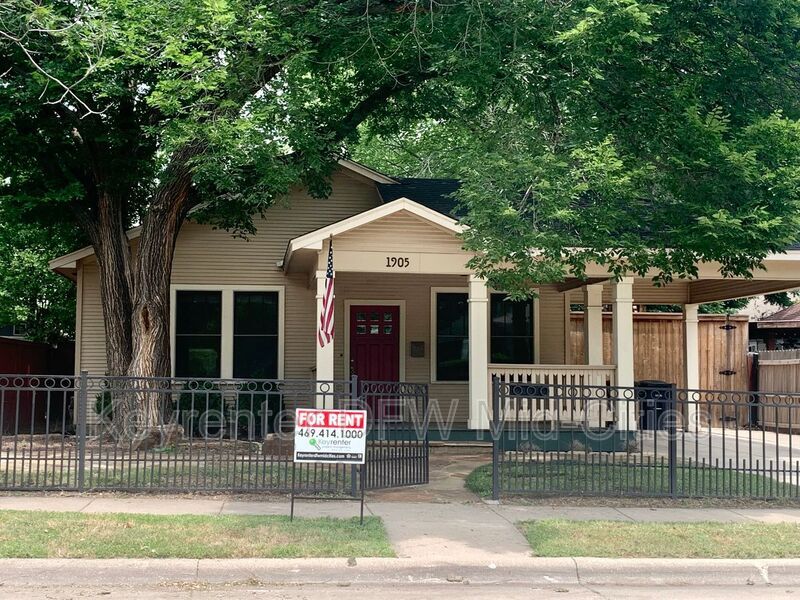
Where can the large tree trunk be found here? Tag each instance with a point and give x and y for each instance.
(107, 233)
(150, 311)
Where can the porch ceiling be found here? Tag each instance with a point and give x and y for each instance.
(715, 290)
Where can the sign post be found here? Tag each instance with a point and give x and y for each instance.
(330, 437)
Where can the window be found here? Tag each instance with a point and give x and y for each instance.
(228, 332)
(255, 335)
(511, 325)
(198, 333)
(452, 337)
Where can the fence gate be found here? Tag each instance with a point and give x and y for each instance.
(397, 448)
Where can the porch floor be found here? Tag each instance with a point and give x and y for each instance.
(449, 466)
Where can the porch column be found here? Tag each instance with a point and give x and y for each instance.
(623, 351)
(593, 323)
(691, 360)
(479, 402)
(324, 354)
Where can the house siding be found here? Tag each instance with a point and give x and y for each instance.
(204, 255)
(415, 290)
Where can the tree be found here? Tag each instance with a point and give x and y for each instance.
(637, 135)
(31, 295)
(116, 113)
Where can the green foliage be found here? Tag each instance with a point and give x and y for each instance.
(31, 295)
(264, 94)
(641, 136)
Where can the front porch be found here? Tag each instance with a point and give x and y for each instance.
(408, 308)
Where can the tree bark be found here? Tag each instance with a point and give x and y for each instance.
(150, 311)
(107, 233)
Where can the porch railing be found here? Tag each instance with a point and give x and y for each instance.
(545, 406)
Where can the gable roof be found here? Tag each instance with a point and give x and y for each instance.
(436, 194)
(67, 264)
(790, 314)
(314, 239)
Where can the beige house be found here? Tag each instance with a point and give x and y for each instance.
(407, 308)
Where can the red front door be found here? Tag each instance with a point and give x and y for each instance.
(375, 342)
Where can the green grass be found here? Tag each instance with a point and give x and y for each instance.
(218, 475)
(32, 534)
(614, 479)
(610, 539)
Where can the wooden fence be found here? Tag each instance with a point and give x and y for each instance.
(779, 373)
(659, 353)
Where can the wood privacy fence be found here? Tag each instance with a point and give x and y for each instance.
(659, 351)
(779, 374)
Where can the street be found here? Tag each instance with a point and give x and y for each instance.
(461, 591)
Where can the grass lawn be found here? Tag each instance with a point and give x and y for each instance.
(32, 534)
(611, 539)
(613, 479)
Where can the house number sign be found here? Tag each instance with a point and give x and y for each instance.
(397, 262)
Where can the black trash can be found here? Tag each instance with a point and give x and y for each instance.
(653, 397)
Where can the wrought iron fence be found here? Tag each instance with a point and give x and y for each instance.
(646, 440)
(180, 434)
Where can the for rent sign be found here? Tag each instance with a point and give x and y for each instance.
(332, 436)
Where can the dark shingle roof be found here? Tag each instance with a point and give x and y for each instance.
(438, 194)
(792, 313)
(433, 193)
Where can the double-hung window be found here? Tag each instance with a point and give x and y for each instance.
(452, 337)
(198, 333)
(227, 333)
(511, 330)
(255, 335)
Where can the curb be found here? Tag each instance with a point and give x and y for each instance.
(534, 571)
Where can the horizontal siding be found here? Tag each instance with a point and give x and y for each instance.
(204, 255)
(416, 291)
(93, 331)
(382, 235)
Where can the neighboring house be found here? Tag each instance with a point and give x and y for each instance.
(778, 331)
(12, 331)
(407, 307)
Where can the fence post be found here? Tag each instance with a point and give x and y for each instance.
(672, 441)
(355, 472)
(83, 393)
(496, 434)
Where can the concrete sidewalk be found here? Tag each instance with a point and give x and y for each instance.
(476, 533)
(78, 573)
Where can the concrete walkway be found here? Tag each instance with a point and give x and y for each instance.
(474, 533)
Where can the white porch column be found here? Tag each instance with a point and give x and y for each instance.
(593, 323)
(479, 401)
(691, 357)
(623, 350)
(324, 354)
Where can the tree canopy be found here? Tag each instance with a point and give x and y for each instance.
(120, 112)
(638, 135)
(31, 295)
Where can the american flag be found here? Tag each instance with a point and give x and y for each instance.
(325, 332)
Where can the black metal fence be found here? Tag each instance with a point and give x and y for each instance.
(644, 441)
(176, 434)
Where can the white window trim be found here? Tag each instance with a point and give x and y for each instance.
(402, 340)
(434, 291)
(537, 328)
(226, 341)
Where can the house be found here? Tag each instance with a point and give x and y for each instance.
(407, 306)
(778, 331)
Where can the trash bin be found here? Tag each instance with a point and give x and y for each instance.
(653, 398)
